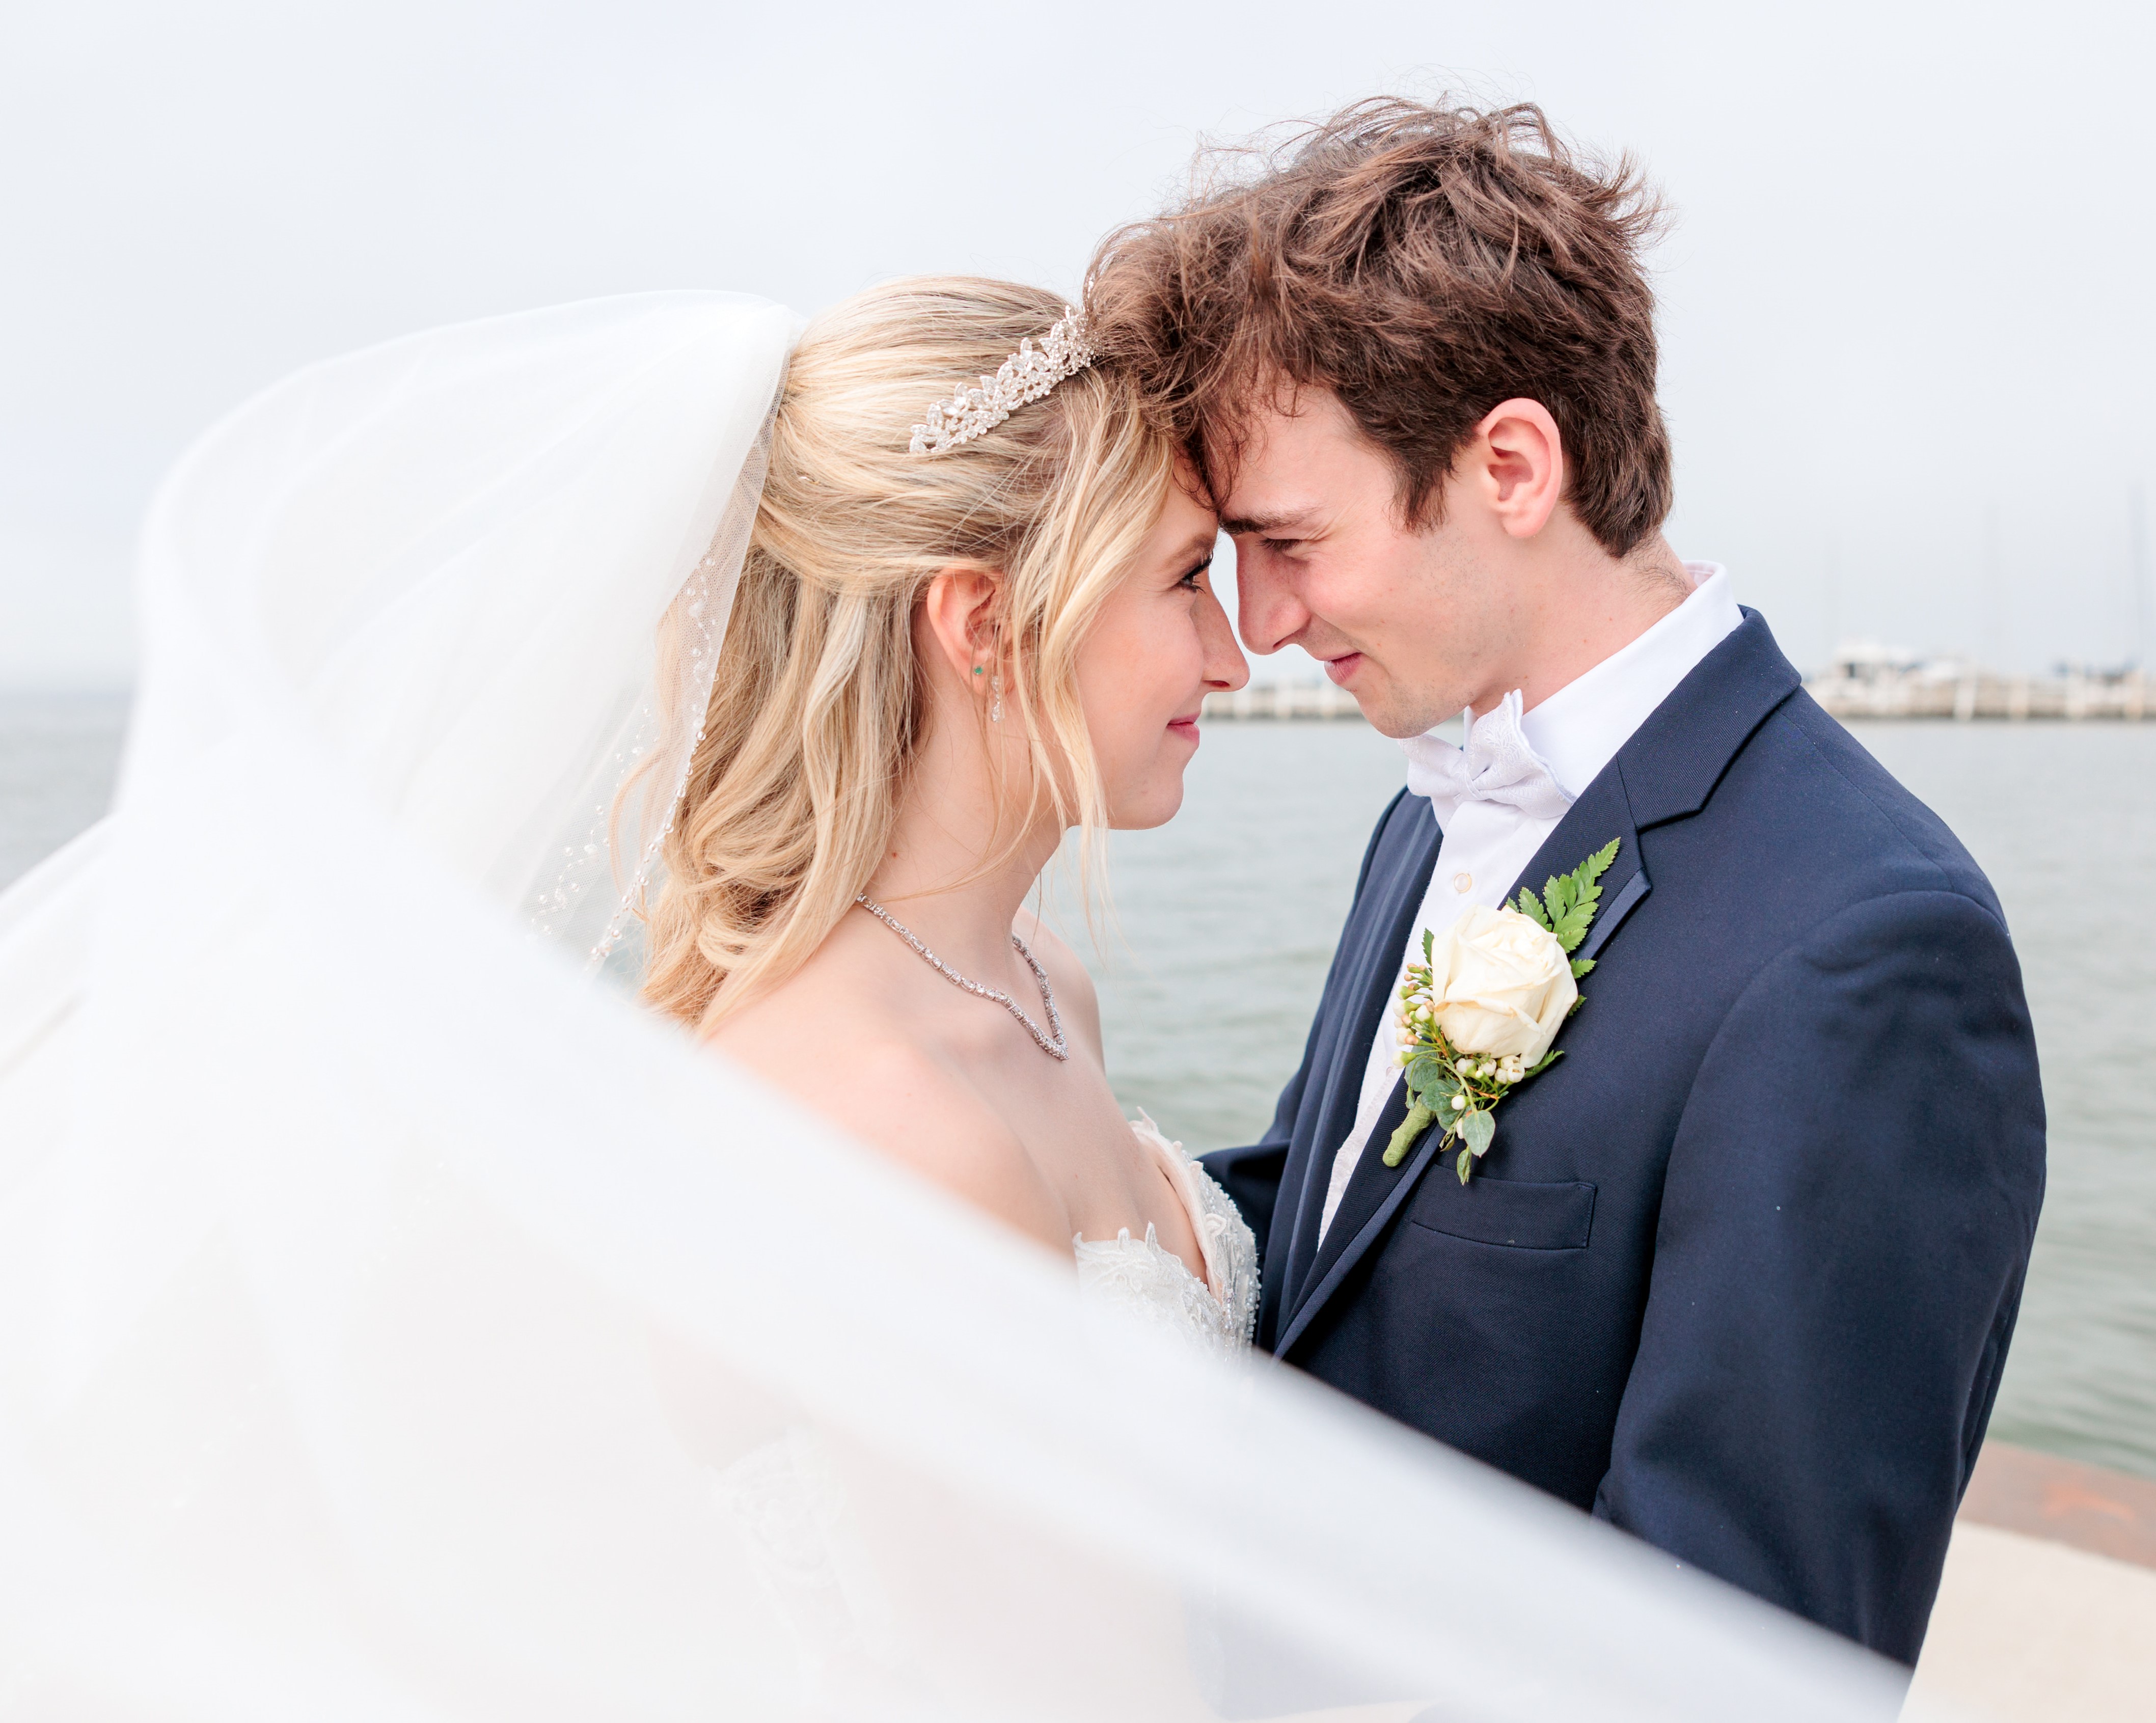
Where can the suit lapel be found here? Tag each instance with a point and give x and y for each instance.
(1374, 1195)
(1383, 937)
(1603, 812)
(1375, 1191)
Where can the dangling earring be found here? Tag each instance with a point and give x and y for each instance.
(996, 711)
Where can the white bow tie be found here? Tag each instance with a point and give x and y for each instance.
(1497, 765)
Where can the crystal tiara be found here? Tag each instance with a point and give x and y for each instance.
(1026, 375)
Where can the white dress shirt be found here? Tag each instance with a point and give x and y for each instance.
(1576, 732)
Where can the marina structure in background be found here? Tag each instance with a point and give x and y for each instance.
(1866, 681)
(1284, 700)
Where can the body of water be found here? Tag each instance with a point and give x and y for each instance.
(59, 755)
(1223, 923)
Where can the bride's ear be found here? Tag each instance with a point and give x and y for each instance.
(959, 611)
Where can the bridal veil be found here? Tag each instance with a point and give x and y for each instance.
(396, 1321)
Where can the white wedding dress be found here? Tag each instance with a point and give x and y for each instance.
(397, 1322)
(1145, 1279)
(791, 1506)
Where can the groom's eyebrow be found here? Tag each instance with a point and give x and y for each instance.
(1284, 521)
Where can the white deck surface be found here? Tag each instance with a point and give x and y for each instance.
(2028, 1629)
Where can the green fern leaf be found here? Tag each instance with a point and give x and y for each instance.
(1574, 900)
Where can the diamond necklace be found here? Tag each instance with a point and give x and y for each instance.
(1050, 1042)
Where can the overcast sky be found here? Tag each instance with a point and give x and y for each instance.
(1907, 357)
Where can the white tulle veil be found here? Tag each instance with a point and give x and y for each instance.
(399, 1325)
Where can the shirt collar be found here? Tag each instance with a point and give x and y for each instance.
(1579, 730)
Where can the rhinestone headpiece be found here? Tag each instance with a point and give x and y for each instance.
(1026, 375)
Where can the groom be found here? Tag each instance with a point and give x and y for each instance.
(1738, 1272)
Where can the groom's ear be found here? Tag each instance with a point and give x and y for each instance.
(1515, 463)
(959, 611)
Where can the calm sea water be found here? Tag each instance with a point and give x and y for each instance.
(1224, 924)
(58, 756)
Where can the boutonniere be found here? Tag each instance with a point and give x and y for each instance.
(1478, 1014)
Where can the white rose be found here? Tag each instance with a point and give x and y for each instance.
(1500, 984)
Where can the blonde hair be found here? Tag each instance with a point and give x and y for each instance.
(818, 707)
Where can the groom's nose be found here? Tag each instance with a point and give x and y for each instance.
(1268, 614)
(1225, 667)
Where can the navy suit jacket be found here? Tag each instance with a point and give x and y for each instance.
(1739, 1271)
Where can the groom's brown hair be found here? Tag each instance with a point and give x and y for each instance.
(1425, 263)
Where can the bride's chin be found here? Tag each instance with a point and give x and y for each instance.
(1142, 813)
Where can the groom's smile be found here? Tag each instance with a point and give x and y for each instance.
(1342, 670)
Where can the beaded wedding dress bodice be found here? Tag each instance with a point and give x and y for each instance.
(1145, 1277)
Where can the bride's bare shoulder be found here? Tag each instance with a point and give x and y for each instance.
(897, 1097)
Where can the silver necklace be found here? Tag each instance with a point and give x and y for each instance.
(1050, 1042)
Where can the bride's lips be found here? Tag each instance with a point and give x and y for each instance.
(1186, 728)
(1341, 669)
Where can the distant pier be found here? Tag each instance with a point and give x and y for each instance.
(1284, 700)
(1968, 693)
(1860, 688)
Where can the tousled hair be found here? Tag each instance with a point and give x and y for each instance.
(819, 706)
(1424, 262)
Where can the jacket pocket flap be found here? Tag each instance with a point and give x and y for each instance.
(1506, 1210)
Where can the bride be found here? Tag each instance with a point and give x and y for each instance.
(947, 651)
